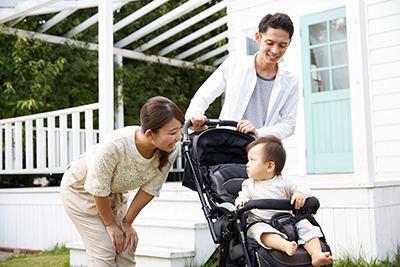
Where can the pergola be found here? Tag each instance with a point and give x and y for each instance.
(13, 11)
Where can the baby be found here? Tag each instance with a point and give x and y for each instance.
(266, 159)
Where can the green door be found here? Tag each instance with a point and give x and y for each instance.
(326, 92)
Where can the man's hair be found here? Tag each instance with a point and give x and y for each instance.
(273, 150)
(276, 21)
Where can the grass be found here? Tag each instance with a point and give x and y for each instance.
(344, 261)
(352, 261)
(57, 257)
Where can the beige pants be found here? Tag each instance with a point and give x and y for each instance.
(82, 210)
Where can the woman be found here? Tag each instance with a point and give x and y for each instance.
(93, 186)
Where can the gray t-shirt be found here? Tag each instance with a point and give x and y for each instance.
(257, 109)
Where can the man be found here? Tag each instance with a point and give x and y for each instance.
(260, 93)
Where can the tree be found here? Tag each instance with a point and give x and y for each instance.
(36, 76)
(27, 74)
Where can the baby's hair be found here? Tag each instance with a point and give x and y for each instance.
(273, 151)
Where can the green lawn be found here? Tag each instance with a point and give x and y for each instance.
(59, 257)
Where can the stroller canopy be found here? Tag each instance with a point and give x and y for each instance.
(215, 147)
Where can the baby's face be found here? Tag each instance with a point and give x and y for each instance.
(256, 167)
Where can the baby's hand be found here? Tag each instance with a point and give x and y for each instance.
(241, 202)
(298, 199)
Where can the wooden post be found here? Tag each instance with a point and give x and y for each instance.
(106, 68)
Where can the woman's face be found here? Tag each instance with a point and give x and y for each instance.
(167, 136)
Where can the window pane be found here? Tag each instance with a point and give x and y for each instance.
(339, 54)
(319, 57)
(318, 33)
(251, 45)
(338, 29)
(320, 81)
(341, 78)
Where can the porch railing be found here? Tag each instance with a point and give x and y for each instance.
(48, 142)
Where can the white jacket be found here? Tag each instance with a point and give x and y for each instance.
(237, 78)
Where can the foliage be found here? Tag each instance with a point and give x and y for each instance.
(62, 76)
(37, 77)
(27, 75)
(143, 80)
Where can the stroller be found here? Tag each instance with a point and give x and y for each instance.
(215, 168)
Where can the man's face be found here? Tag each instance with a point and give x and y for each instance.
(273, 44)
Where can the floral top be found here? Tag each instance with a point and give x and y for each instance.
(116, 166)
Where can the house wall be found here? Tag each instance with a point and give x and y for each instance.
(362, 220)
(34, 218)
(384, 52)
(358, 210)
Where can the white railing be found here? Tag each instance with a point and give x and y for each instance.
(46, 142)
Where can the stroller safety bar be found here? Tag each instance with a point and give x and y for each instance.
(212, 122)
(277, 204)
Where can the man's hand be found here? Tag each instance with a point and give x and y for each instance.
(246, 127)
(198, 120)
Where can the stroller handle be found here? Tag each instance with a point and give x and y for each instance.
(209, 122)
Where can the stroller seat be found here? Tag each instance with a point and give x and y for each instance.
(226, 182)
(216, 168)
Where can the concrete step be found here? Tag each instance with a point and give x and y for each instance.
(170, 232)
(145, 256)
(164, 257)
(175, 201)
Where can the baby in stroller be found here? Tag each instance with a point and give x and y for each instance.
(266, 159)
(215, 167)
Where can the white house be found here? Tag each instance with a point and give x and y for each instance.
(347, 141)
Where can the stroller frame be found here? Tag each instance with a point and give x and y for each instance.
(235, 216)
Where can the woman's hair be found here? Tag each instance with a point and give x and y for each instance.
(273, 151)
(276, 21)
(155, 113)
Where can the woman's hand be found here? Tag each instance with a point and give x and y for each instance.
(116, 235)
(131, 238)
(298, 199)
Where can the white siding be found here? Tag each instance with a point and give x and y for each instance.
(291, 165)
(34, 218)
(363, 221)
(384, 37)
